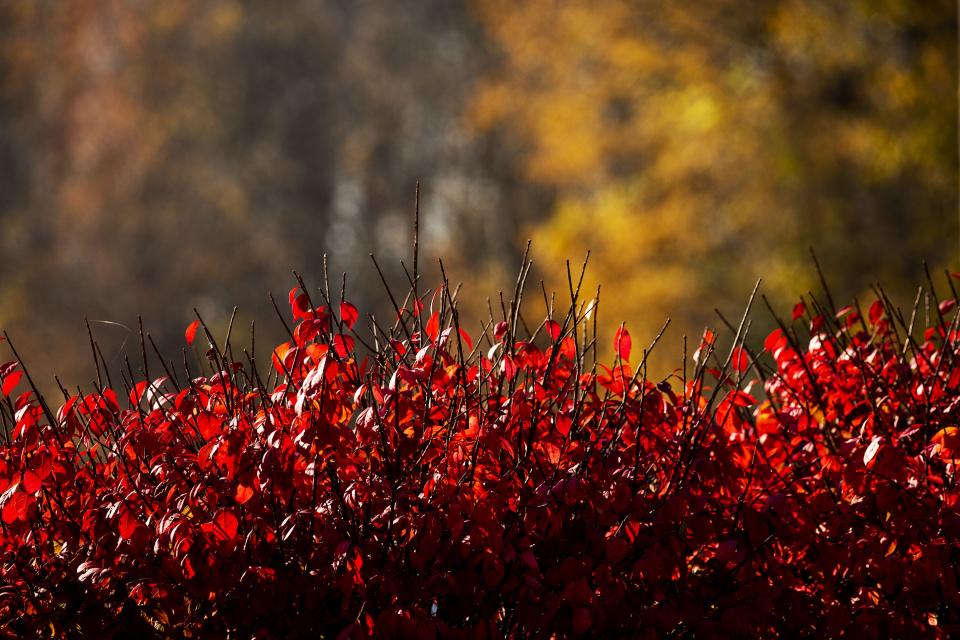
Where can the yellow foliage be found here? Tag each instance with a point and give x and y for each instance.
(695, 146)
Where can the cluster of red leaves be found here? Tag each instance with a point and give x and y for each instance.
(437, 488)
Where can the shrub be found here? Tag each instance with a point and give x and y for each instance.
(414, 482)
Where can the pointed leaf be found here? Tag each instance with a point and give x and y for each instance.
(467, 339)
(433, 326)
(553, 329)
(191, 331)
(739, 361)
(623, 343)
(349, 314)
(10, 382)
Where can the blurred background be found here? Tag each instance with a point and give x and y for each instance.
(161, 155)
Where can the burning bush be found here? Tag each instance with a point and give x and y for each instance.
(414, 481)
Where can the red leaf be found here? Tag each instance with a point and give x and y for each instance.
(191, 331)
(10, 382)
(299, 304)
(187, 567)
(871, 452)
(509, 367)
(466, 338)
(208, 425)
(343, 345)
(31, 482)
(366, 421)
(349, 314)
(128, 524)
(552, 451)
(553, 329)
(742, 399)
(709, 337)
(623, 343)
(739, 361)
(243, 494)
(280, 355)
(317, 351)
(433, 326)
(581, 620)
(843, 311)
(225, 525)
(798, 310)
(67, 407)
(17, 506)
(139, 594)
(774, 341)
(948, 442)
(110, 397)
(137, 392)
(205, 455)
(7, 368)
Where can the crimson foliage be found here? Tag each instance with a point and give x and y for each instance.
(434, 487)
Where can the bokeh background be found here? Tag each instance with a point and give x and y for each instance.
(161, 155)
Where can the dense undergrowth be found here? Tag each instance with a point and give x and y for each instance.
(414, 481)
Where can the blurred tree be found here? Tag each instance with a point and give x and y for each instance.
(696, 146)
(168, 154)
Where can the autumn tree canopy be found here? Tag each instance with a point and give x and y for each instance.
(697, 146)
(199, 150)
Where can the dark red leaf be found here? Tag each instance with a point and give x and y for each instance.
(127, 524)
(31, 482)
(622, 343)
(225, 525)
